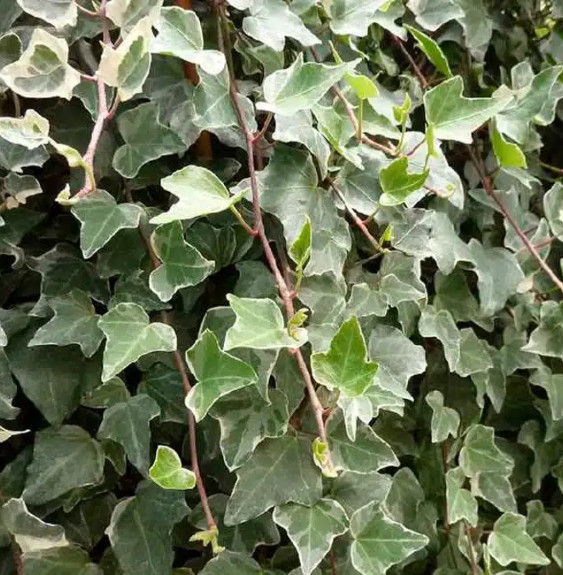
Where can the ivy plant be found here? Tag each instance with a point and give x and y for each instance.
(281, 287)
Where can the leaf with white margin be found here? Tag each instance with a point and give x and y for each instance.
(353, 17)
(18, 188)
(127, 13)
(509, 542)
(480, 454)
(553, 209)
(101, 217)
(60, 560)
(431, 14)
(30, 131)
(496, 489)
(127, 66)
(230, 563)
(461, 503)
(271, 22)
(301, 86)
(547, 338)
(445, 420)
(6, 434)
(455, 117)
(379, 542)
(130, 335)
(432, 50)
(42, 71)
(180, 35)
(280, 470)
(167, 471)
(142, 145)
(199, 191)
(182, 264)
(75, 322)
(345, 367)
(3, 337)
(29, 531)
(218, 374)
(59, 13)
(260, 325)
(312, 529)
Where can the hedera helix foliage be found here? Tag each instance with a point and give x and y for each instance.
(280, 287)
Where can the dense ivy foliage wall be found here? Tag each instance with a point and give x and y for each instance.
(280, 287)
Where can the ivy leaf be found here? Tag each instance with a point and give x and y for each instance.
(397, 183)
(454, 117)
(61, 560)
(432, 50)
(180, 35)
(300, 86)
(30, 131)
(431, 14)
(509, 542)
(127, 423)
(312, 529)
(230, 563)
(460, 501)
(445, 420)
(479, 453)
(167, 471)
(200, 192)
(127, 66)
(259, 325)
(508, 154)
(271, 22)
(547, 338)
(553, 209)
(75, 322)
(354, 18)
(101, 218)
(142, 145)
(496, 489)
(344, 367)
(42, 71)
(218, 374)
(56, 12)
(127, 13)
(379, 542)
(280, 470)
(182, 265)
(63, 459)
(553, 385)
(130, 335)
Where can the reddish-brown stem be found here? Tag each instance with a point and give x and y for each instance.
(182, 370)
(413, 64)
(489, 190)
(105, 25)
(264, 129)
(91, 13)
(415, 148)
(356, 219)
(552, 168)
(332, 563)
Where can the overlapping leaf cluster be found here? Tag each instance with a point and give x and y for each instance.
(280, 287)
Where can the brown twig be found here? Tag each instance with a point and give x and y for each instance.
(422, 80)
(182, 370)
(489, 190)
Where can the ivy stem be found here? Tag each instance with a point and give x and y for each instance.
(243, 222)
(182, 370)
(552, 168)
(422, 80)
(356, 219)
(489, 190)
(91, 13)
(283, 288)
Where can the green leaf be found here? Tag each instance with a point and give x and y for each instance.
(271, 22)
(180, 35)
(496, 489)
(460, 502)
(553, 209)
(300, 249)
(127, 66)
(300, 86)
(445, 420)
(508, 154)
(312, 529)
(199, 191)
(350, 17)
(280, 470)
(130, 335)
(59, 13)
(182, 265)
(259, 325)
(42, 71)
(379, 542)
(127, 13)
(31, 131)
(101, 217)
(454, 117)
(229, 563)
(218, 374)
(547, 338)
(142, 145)
(75, 322)
(167, 471)
(345, 367)
(62, 560)
(432, 50)
(479, 453)
(63, 459)
(509, 542)
(397, 183)
(553, 385)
